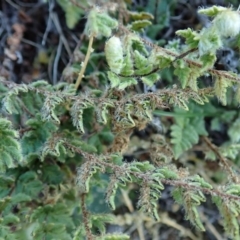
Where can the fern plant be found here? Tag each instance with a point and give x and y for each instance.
(60, 144)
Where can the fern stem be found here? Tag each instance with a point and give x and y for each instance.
(221, 158)
(182, 55)
(81, 73)
(86, 217)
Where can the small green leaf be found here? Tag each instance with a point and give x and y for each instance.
(183, 74)
(208, 61)
(53, 214)
(150, 79)
(50, 231)
(185, 132)
(140, 25)
(114, 79)
(212, 11)
(192, 37)
(34, 139)
(29, 184)
(141, 15)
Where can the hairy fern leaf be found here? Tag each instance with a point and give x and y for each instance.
(185, 132)
(114, 54)
(139, 25)
(191, 201)
(50, 103)
(150, 192)
(192, 37)
(50, 231)
(103, 111)
(208, 61)
(99, 23)
(127, 69)
(212, 11)
(187, 75)
(54, 148)
(183, 137)
(35, 136)
(77, 110)
(11, 103)
(121, 82)
(85, 173)
(230, 210)
(111, 192)
(29, 184)
(10, 151)
(183, 74)
(51, 221)
(220, 88)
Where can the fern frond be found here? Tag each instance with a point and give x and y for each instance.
(183, 74)
(77, 110)
(212, 11)
(10, 150)
(99, 23)
(114, 54)
(85, 173)
(185, 132)
(149, 194)
(183, 137)
(120, 82)
(10, 102)
(230, 210)
(208, 61)
(36, 136)
(209, 42)
(50, 103)
(220, 87)
(190, 201)
(28, 185)
(53, 148)
(192, 37)
(139, 25)
(111, 192)
(103, 111)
